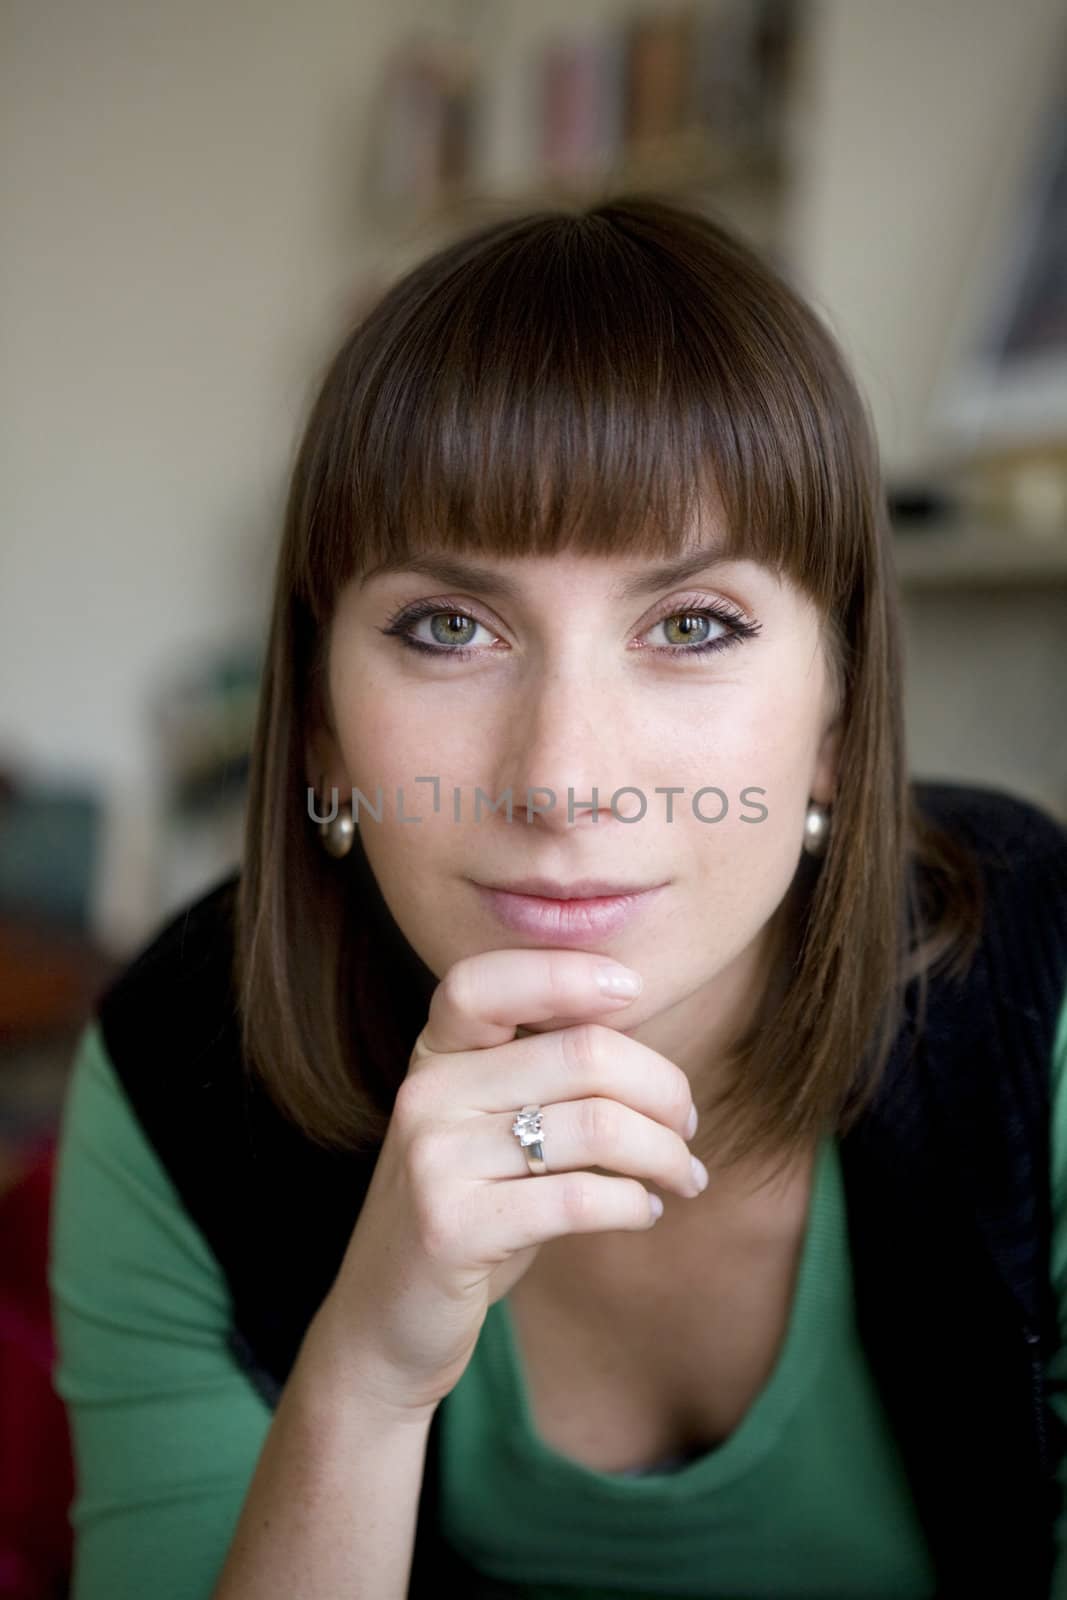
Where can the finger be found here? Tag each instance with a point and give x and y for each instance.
(572, 1064)
(512, 1216)
(577, 1134)
(482, 999)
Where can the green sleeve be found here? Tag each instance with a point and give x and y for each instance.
(166, 1429)
(1057, 1369)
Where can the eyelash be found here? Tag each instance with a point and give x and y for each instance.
(403, 620)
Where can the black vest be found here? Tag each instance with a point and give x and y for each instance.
(946, 1181)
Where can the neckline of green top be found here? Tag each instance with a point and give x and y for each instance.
(802, 1350)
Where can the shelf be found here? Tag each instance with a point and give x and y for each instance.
(978, 557)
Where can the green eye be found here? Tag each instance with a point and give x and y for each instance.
(453, 629)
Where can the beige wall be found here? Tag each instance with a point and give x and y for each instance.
(181, 231)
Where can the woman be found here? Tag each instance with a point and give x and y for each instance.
(584, 659)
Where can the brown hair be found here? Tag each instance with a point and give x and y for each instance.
(586, 380)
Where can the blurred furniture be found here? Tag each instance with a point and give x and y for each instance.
(51, 968)
(36, 1462)
(48, 848)
(49, 978)
(35, 1453)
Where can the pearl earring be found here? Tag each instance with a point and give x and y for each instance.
(816, 829)
(337, 834)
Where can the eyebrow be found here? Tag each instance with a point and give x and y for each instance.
(454, 573)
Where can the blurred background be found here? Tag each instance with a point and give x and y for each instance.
(197, 196)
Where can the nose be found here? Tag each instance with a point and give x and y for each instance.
(564, 755)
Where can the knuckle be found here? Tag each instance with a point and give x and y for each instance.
(581, 1046)
(599, 1122)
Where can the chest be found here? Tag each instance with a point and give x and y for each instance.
(626, 1368)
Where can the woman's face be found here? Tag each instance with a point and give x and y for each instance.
(570, 683)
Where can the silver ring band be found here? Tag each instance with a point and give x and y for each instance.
(527, 1129)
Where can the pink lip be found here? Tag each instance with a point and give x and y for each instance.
(565, 922)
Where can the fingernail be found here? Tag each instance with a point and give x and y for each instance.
(691, 1125)
(700, 1174)
(619, 981)
(655, 1205)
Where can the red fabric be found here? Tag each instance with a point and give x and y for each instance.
(36, 1466)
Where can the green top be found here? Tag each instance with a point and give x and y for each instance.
(807, 1496)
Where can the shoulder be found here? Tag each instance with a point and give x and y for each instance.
(1001, 828)
(274, 1207)
(166, 1424)
(170, 1025)
(993, 1028)
(115, 1207)
(1019, 851)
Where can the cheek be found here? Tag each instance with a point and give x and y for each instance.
(387, 742)
(768, 738)
(757, 742)
(389, 737)
(759, 751)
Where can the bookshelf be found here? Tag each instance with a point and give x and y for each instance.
(516, 112)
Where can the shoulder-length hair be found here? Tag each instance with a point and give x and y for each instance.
(587, 379)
